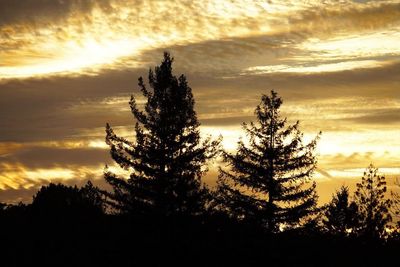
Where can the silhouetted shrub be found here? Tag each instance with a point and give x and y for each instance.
(61, 201)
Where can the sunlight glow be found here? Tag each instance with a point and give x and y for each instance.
(17, 175)
(358, 172)
(47, 174)
(372, 44)
(74, 58)
(328, 67)
(230, 135)
(361, 142)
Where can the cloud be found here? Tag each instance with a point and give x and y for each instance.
(11, 195)
(58, 108)
(16, 177)
(42, 11)
(226, 121)
(94, 35)
(359, 160)
(324, 173)
(325, 20)
(385, 116)
(48, 157)
(329, 67)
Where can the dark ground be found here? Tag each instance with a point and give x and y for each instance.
(27, 240)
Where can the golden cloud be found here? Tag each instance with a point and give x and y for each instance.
(115, 34)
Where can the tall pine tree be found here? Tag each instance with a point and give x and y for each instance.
(269, 180)
(167, 159)
(373, 207)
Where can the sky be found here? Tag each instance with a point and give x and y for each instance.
(69, 66)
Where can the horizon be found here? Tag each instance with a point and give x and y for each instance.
(69, 67)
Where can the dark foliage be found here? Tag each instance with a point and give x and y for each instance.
(340, 216)
(395, 208)
(167, 159)
(119, 241)
(372, 206)
(61, 201)
(9, 211)
(269, 181)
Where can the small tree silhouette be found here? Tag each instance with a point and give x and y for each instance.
(373, 208)
(396, 205)
(167, 159)
(269, 181)
(340, 214)
(3, 207)
(58, 200)
(93, 198)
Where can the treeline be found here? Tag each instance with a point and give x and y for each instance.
(262, 211)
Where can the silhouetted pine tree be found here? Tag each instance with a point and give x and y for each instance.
(340, 214)
(373, 208)
(94, 199)
(167, 159)
(269, 182)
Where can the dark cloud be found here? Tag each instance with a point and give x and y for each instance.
(16, 195)
(45, 157)
(228, 57)
(325, 21)
(376, 82)
(384, 116)
(45, 11)
(56, 108)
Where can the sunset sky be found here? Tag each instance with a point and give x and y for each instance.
(69, 66)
